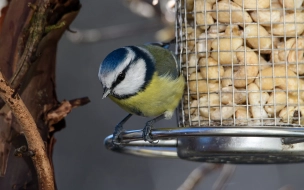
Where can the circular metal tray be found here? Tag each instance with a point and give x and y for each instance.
(246, 145)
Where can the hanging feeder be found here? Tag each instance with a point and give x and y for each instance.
(244, 99)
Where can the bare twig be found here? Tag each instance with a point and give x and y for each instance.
(287, 187)
(79, 102)
(111, 32)
(56, 115)
(29, 128)
(197, 175)
(225, 176)
(54, 27)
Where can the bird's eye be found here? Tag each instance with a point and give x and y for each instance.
(121, 76)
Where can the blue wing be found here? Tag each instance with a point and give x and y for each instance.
(165, 45)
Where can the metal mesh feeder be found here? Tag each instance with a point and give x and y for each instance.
(244, 99)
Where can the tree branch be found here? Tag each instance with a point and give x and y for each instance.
(203, 170)
(28, 54)
(225, 176)
(287, 187)
(111, 32)
(197, 175)
(36, 31)
(56, 115)
(29, 128)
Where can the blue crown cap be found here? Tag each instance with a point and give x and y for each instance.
(113, 60)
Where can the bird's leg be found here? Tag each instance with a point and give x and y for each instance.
(149, 125)
(119, 129)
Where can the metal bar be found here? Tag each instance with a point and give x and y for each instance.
(172, 133)
(133, 143)
(163, 149)
(292, 140)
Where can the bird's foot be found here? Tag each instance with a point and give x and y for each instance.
(147, 136)
(116, 140)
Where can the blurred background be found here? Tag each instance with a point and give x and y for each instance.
(80, 158)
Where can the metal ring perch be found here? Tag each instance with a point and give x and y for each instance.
(240, 144)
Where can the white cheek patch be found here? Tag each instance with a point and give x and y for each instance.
(108, 79)
(134, 79)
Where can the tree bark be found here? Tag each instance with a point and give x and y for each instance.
(29, 33)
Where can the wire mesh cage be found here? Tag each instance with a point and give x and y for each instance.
(244, 68)
(243, 61)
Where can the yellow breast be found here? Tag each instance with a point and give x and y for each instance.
(162, 94)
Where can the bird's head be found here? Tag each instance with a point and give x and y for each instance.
(126, 71)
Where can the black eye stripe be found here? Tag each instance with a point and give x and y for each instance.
(118, 79)
(121, 76)
(140, 54)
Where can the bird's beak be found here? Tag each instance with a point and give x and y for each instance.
(106, 92)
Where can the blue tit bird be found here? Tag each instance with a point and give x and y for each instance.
(142, 80)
